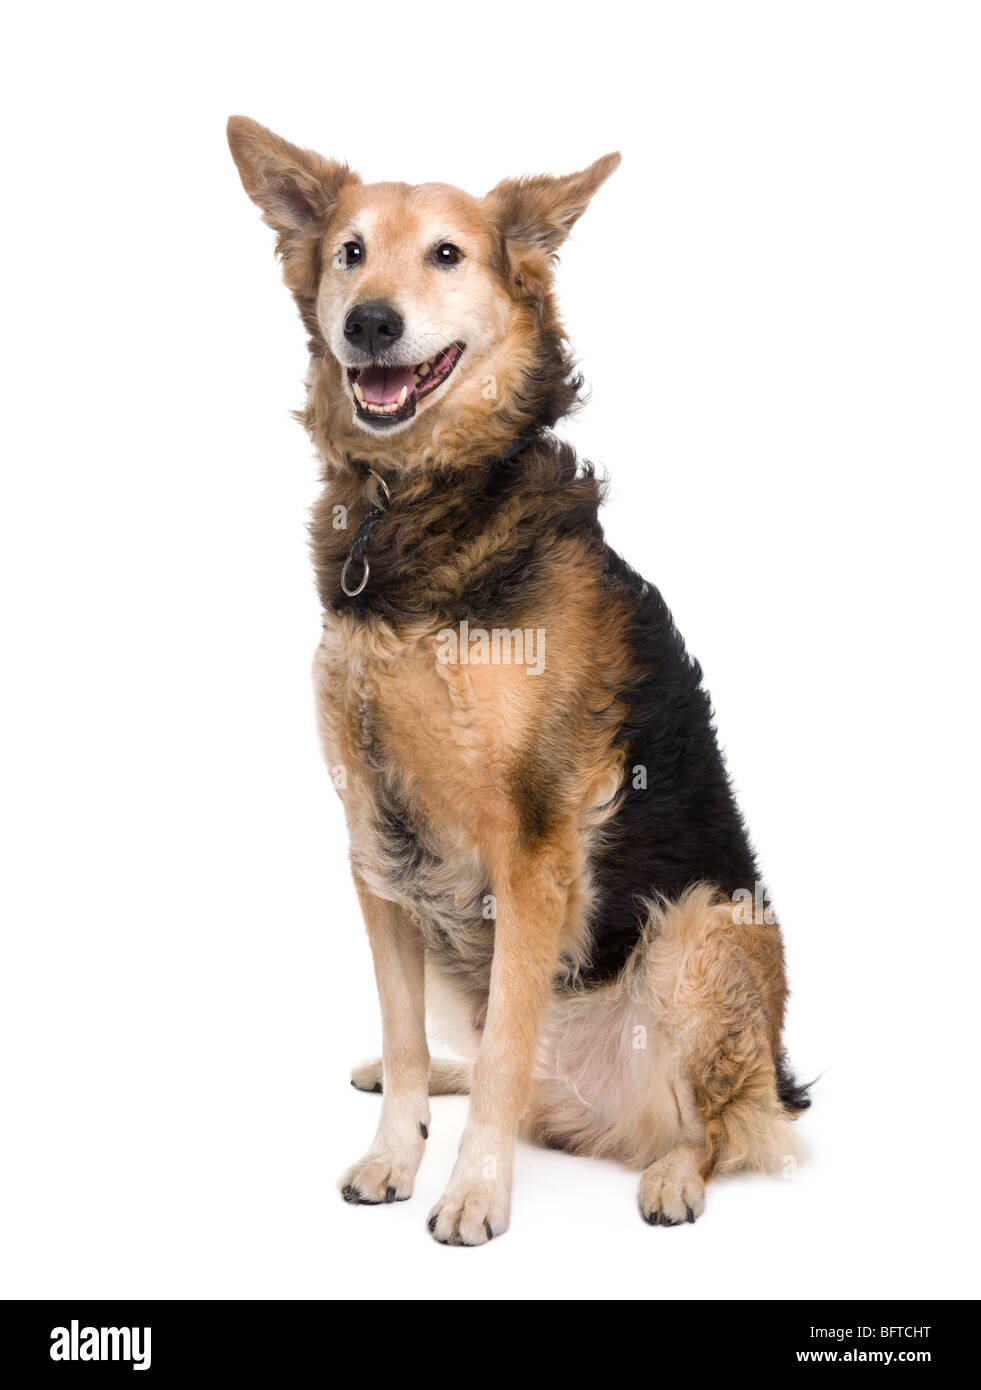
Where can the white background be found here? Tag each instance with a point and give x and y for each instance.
(776, 303)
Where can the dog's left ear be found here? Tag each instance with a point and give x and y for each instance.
(540, 211)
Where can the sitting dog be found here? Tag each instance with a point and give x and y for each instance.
(543, 836)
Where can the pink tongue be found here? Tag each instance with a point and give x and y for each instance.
(383, 385)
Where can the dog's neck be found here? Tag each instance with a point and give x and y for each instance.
(452, 542)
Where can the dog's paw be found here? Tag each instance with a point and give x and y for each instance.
(368, 1076)
(672, 1190)
(471, 1212)
(383, 1175)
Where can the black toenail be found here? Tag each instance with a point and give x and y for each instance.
(389, 1194)
(487, 1228)
(377, 1088)
(350, 1193)
(431, 1223)
(651, 1218)
(691, 1214)
(423, 1130)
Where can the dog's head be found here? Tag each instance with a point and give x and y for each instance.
(429, 311)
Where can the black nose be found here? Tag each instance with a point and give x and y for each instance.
(373, 326)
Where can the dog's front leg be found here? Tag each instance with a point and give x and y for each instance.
(532, 894)
(387, 1171)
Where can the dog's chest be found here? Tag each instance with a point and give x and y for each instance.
(406, 753)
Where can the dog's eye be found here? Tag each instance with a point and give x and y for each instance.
(447, 254)
(351, 253)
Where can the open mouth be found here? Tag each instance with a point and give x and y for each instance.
(389, 395)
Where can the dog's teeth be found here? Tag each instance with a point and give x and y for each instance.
(403, 396)
(359, 393)
(423, 370)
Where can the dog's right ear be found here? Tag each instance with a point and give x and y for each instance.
(295, 188)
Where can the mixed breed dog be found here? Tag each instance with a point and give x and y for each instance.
(549, 856)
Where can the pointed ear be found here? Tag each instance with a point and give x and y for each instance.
(541, 211)
(296, 189)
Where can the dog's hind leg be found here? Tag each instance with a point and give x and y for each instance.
(447, 1077)
(745, 1127)
(719, 992)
